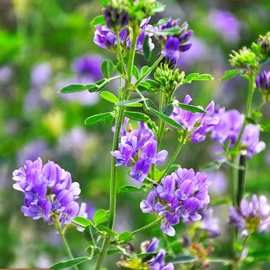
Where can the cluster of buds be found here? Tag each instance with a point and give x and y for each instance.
(115, 17)
(264, 43)
(245, 58)
(168, 78)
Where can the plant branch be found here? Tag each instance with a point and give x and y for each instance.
(147, 226)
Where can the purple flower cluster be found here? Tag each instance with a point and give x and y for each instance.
(183, 195)
(177, 44)
(138, 148)
(48, 191)
(252, 215)
(105, 38)
(263, 80)
(197, 124)
(88, 67)
(228, 130)
(157, 262)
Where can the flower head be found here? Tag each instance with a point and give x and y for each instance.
(197, 124)
(48, 191)
(182, 195)
(138, 148)
(104, 37)
(115, 17)
(244, 58)
(158, 262)
(252, 215)
(229, 128)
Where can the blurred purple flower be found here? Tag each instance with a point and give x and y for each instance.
(182, 195)
(138, 148)
(158, 262)
(217, 182)
(150, 246)
(5, 74)
(197, 124)
(225, 23)
(41, 74)
(32, 151)
(228, 130)
(48, 191)
(253, 215)
(210, 224)
(88, 67)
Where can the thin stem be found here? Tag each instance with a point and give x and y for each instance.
(118, 122)
(147, 226)
(241, 179)
(150, 70)
(175, 155)
(62, 235)
(161, 124)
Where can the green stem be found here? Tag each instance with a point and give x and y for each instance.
(175, 155)
(63, 237)
(161, 124)
(241, 179)
(147, 226)
(118, 122)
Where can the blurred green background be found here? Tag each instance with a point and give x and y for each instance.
(40, 42)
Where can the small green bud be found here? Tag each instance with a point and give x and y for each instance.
(264, 43)
(244, 58)
(168, 78)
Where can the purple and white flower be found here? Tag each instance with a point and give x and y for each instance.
(252, 215)
(182, 195)
(48, 191)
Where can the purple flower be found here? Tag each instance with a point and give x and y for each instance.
(263, 80)
(250, 140)
(226, 24)
(197, 124)
(210, 224)
(150, 246)
(252, 215)
(32, 151)
(138, 148)
(41, 74)
(88, 67)
(158, 262)
(104, 37)
(48, 191)
(5, 74)
(217, 182)
(228, 130)
(183, 195)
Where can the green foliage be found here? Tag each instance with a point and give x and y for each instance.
(101, 216)
(69, 263)
(97, 118)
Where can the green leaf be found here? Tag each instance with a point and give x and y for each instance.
(198, 77)
(231, 73)
(101, 117)
(190, 108)
(183, 259)
(149, 85)
(82, 221)
(109, 96)
(70, 263)
(128, 189)
(72, 88)
(125, 237)
(159, 7)
(98, 20)
(146, 48)
(144, 70)
(176, 30)
(165, 118)
(138, 116)
(104, 3)
(135, 72)
(107, 68)
(129, 103)
(101, 216)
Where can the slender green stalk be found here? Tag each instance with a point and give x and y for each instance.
(161, 124)
(175, 155)
(65, 242)
(118, 122)
(241, 179)
(147, 226)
